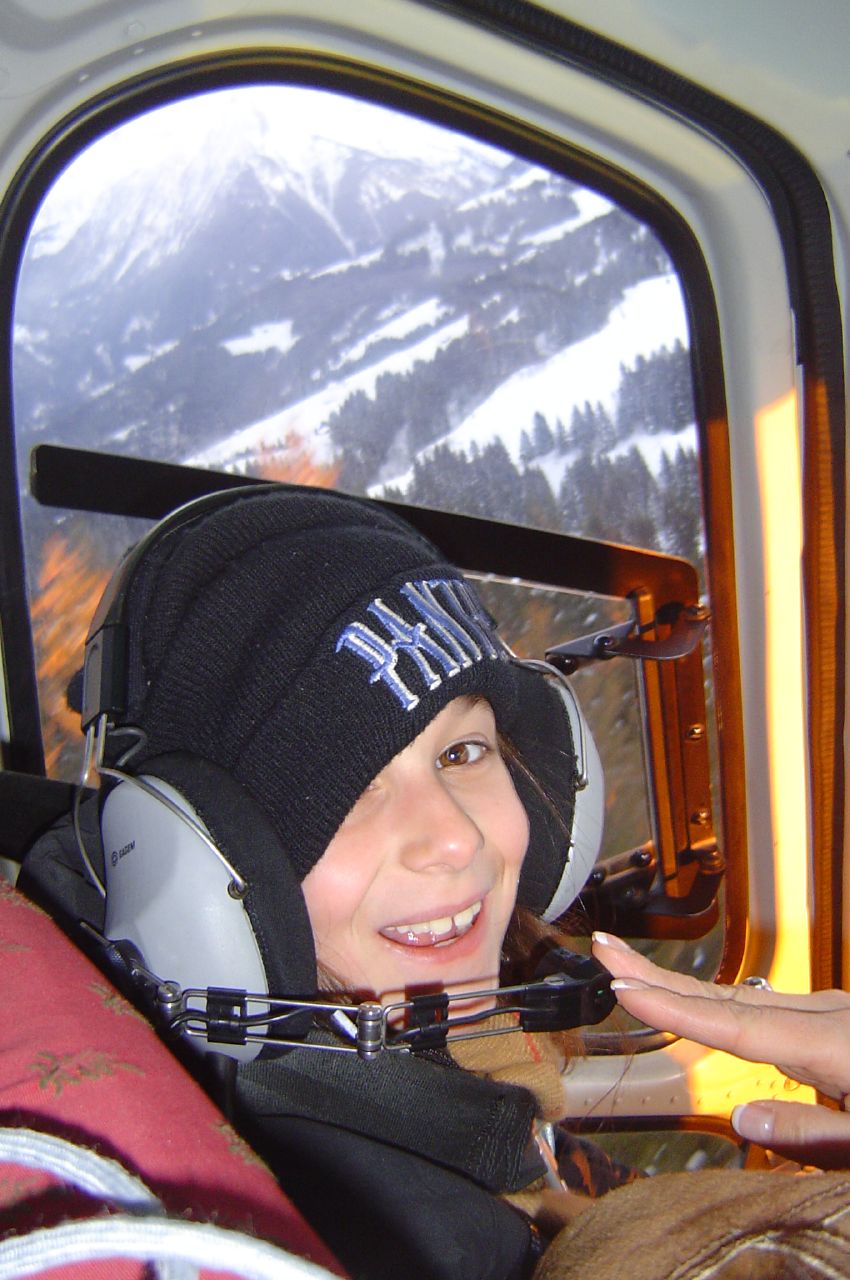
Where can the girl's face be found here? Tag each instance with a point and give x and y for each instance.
(415, 891)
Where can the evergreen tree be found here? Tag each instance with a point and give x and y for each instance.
(657, 393)
(580, 496)
(680, 506)
(500, 482)
(612, 499)
(583, 428)
(540, 510)
(358, 451)
(526, 448)
(544, 441)
(606, 432)
(681, 387)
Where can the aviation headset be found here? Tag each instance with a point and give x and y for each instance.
(266, 651)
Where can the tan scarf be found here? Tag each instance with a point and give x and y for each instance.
(529, 1059)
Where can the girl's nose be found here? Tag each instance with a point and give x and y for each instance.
(436, 831)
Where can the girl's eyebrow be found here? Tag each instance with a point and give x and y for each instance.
(465, 705)
(470, 700)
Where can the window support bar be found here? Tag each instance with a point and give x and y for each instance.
(628, 640)
(626, 895)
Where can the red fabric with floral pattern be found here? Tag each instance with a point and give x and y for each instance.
(78, 1062)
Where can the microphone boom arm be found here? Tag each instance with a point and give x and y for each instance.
(578, 994)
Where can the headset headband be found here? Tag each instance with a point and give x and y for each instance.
(107, 643)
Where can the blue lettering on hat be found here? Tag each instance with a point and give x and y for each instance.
(452, 635)
(460, 632)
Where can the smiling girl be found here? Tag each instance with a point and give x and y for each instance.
(397, 793)
(418, 885)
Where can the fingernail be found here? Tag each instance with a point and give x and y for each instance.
(629, 984)
(611, 940)
(753, 1121)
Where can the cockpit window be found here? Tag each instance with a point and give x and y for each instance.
(284, 281)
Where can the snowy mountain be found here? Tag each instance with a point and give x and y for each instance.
(249, 277)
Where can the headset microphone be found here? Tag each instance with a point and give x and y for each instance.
(571, 991)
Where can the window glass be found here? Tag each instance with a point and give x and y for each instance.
(529, 616)
(672, 1151)
(292, 284)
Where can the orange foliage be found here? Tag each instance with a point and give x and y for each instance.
(70, 584)
(538, 627)
(294, 463)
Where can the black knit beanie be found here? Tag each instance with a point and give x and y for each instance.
(299, 639)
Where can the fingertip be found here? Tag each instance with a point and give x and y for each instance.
(629, 984)
(754, 1121)
(610, 940)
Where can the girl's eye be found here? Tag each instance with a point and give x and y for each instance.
(461, 753)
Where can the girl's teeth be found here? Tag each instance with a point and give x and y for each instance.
(443, 925)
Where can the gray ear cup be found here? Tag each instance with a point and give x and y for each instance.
(168, 894)
(170, 890)
(559, 779)
(588, 818)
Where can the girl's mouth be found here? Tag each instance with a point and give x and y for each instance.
(434, 933)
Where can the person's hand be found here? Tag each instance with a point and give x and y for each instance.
(806, 1036)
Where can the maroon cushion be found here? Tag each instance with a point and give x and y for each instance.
(77, 1061)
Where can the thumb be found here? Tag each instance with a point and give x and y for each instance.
(813, 1134)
